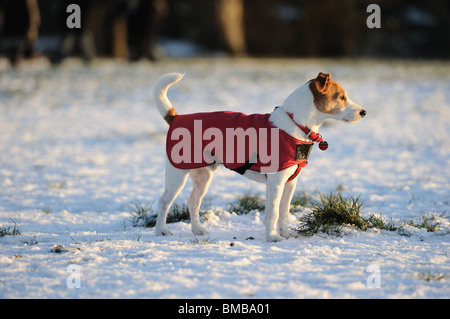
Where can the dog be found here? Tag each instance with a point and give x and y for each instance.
(288, 132)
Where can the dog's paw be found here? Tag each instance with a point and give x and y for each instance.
(163, 231)
(199, 230)
(274, 238)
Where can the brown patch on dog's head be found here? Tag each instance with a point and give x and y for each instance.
(321, 83)
(329, 96)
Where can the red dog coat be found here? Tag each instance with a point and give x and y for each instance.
(237, 140)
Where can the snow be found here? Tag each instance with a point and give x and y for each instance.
(80, 144)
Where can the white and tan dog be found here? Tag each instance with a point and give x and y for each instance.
(299, 118)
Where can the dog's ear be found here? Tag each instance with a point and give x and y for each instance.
(322, 82)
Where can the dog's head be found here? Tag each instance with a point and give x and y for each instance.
(331, 99)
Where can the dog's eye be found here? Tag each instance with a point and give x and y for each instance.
(342, 97)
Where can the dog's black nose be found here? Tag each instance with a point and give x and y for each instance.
(363, 113)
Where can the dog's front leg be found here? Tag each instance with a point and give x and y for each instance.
(274, 191)
(285, 205)
(275, 187)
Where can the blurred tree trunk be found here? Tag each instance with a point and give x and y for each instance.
(120, 39)
(26, 47)
(231, 20)
(35, 20)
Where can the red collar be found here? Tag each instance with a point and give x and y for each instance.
(314, 136)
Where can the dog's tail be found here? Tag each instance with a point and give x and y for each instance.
(163, 104)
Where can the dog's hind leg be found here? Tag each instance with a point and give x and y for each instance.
(201, 178)
(175, 180)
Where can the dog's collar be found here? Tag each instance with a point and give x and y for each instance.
(313, 136)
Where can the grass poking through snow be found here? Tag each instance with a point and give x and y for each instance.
(246, 203)
(329, 214)
(10, 231)
(428, 221)
(145, 216)
(333, 211)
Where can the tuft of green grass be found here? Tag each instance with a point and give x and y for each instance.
(10, 231)
(141, 209)
(178, 212)
(246, 203)
(428, 221)
(203, 241)
(332, 211)
(145, 216)
(378, 221)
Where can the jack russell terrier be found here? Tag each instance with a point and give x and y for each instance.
(269, 148)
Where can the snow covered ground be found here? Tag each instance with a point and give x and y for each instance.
(80, 144)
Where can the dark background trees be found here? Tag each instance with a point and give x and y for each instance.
(295, 28)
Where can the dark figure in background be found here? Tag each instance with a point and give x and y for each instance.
(139, 20)
(124, 29)
(20, 30)
(143, 19)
